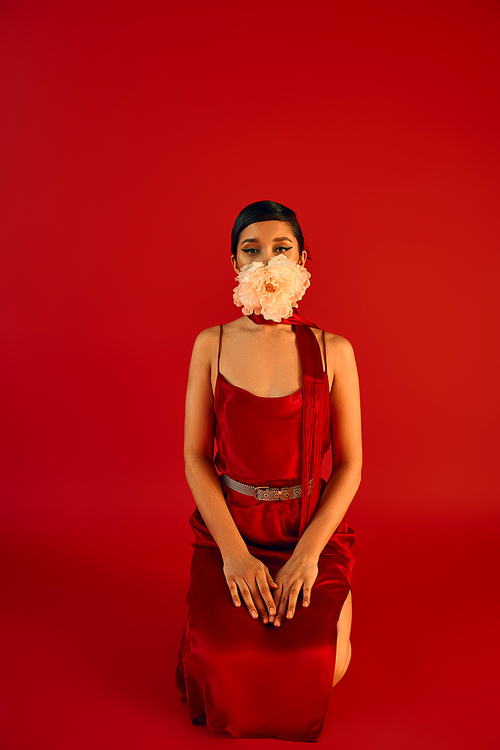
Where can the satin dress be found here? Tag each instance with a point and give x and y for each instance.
(237, 674)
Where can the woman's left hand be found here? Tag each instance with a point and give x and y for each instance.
(299, 572)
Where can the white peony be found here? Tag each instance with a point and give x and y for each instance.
(271, 290)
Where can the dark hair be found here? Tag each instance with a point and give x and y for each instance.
(265, 211)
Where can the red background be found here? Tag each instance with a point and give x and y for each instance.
(131, 136)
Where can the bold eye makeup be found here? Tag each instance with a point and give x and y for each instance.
(253, 250)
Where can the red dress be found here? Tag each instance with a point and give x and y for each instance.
(237, 674)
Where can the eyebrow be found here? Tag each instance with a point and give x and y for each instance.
(276, 239)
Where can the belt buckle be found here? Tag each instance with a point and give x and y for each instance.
(256, 489)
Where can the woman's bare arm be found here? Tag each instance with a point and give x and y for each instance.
(242, 570)
(199, 445)
(347, 455)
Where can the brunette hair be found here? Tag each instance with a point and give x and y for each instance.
(266, 211)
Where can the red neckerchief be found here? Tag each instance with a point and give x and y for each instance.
(313, 393)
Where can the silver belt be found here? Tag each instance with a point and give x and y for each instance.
(260, 492)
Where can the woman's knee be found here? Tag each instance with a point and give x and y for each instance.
(344, 648)
(341, 665)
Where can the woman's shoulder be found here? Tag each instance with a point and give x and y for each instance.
(207, 335)
(334, 341)
(340, 354)
(208, 339)
(339, 350)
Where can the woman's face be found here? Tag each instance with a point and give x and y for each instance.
(264, 240)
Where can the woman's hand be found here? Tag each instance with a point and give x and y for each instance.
(248, 574)
(298, 572)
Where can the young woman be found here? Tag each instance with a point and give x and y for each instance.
(269, 602)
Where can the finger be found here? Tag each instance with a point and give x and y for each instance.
(247, 598)
(292, 599)
(271, 580)
(280, 614)
(233, 590)
(277, 598)
(259, 603)
(306, 595)
(263, 584)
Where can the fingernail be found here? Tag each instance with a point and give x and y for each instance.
(253, 613)
(277, 622)
(272, 611)
(290, 613)
(265, 620)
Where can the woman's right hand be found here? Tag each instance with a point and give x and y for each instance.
(253, 579)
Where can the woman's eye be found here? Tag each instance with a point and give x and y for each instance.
(252, 250)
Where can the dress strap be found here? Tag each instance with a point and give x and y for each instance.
(314, 412)
(220, 340)
(324, 350)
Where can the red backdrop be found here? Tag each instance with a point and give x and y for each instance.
(131, 136)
